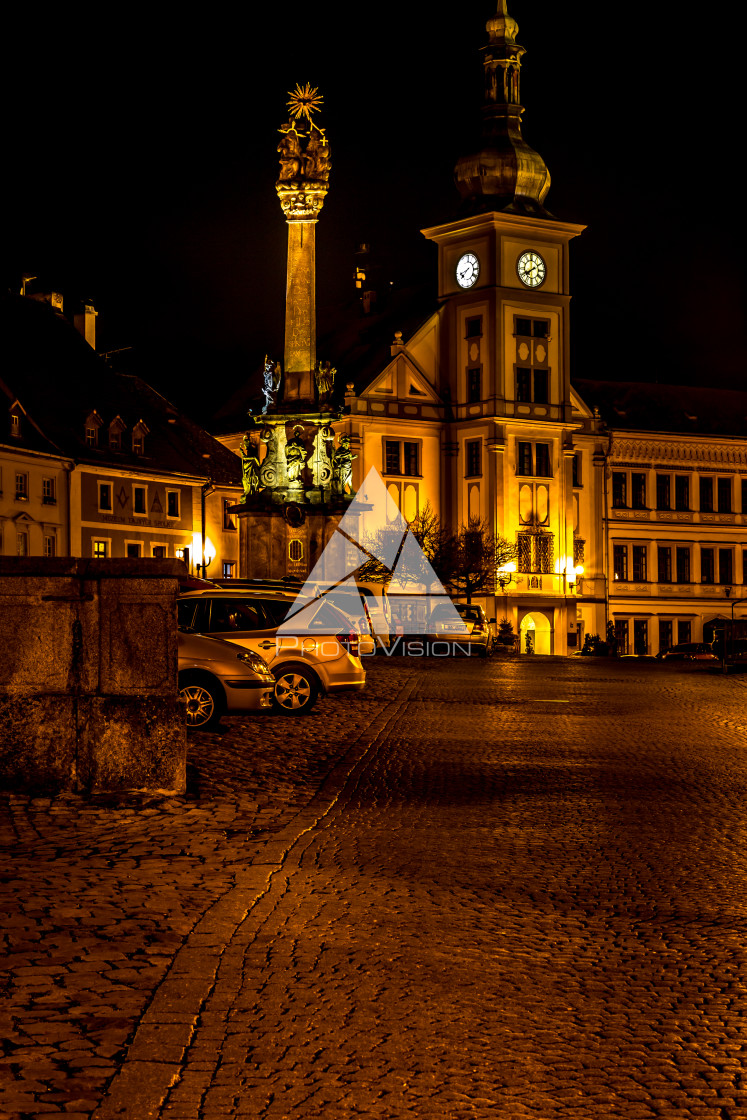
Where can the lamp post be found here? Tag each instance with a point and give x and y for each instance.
(505, 575)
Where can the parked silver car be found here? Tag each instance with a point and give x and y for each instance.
(215, 678)
(317, 655)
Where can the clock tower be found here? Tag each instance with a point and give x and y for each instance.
(503, 285)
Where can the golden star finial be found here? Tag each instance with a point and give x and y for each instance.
(304, 100)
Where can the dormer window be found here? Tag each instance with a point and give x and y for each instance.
(139, 432)
(93, 423)
(115, 434)
(15, 425)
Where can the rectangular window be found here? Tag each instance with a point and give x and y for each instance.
(49, 492)
(706, 495)
(579, 548)
(159, 551)
(639, 563)
(542, 453)
(744, 566)
(474, 327)
(229, 568)
(621, 635)
(535, 552)
(50, 545)
(138, 443)
(412, 459)
(577, 469)
(638, 490)
(663, 491)
(707, 568)
(619, 490)
(540, 386)
(523, 327)
(115, 440)
(744, 494)
(544, 549)
(474, 386)
(664, 556)
(474, 458)
(229, 522)
(391, 451)
(620, 561)
(91, 437)
(523, 385)
(681, 492)
(105, 496)
(665, 634)
(134, 550)
(139, 500)
(22, 543)
(524, 463)
(100, 550)
(724, 495)
(15, 425)
(22, 486)
(725, 566)
(172, 503)
(684, 630)
(683, 565)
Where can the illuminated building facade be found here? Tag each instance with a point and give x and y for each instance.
(96, 463)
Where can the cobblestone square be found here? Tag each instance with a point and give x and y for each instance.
(499, 888)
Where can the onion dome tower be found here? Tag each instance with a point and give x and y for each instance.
(505, 174)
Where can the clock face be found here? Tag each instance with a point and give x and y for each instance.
(467, 270)
(532, 269)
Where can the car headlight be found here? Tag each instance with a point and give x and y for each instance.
(255, 662)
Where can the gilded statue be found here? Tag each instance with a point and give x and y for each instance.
(271, 383)
(249, 453)
(342, 466)
(324, 375)
(290, 152)
(295, 455)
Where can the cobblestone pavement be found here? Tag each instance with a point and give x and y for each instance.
(497, 889)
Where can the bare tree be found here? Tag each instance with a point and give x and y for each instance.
(466, 560)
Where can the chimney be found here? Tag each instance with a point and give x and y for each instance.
(53, 298)
(85, 323)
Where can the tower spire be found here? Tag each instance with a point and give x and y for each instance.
(505, 174)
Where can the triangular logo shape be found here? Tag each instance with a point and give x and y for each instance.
(372, 519)
(373, 528)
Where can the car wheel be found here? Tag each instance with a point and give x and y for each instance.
(296, 690)
(203, 704)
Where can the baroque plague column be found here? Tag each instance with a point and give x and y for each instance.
(296, 493)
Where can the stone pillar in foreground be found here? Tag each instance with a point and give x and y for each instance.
(88, 671)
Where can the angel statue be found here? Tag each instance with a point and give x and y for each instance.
(272, 374)
(342, 466)
(249, 453)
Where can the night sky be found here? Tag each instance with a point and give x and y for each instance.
(142, 169)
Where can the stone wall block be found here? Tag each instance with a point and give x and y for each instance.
(88, 675)
(138, 642)
(128, 743)
(38, 742)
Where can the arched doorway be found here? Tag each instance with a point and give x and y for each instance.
(536, 634)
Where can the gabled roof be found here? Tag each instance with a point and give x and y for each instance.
(60, 381)
(644, 407)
